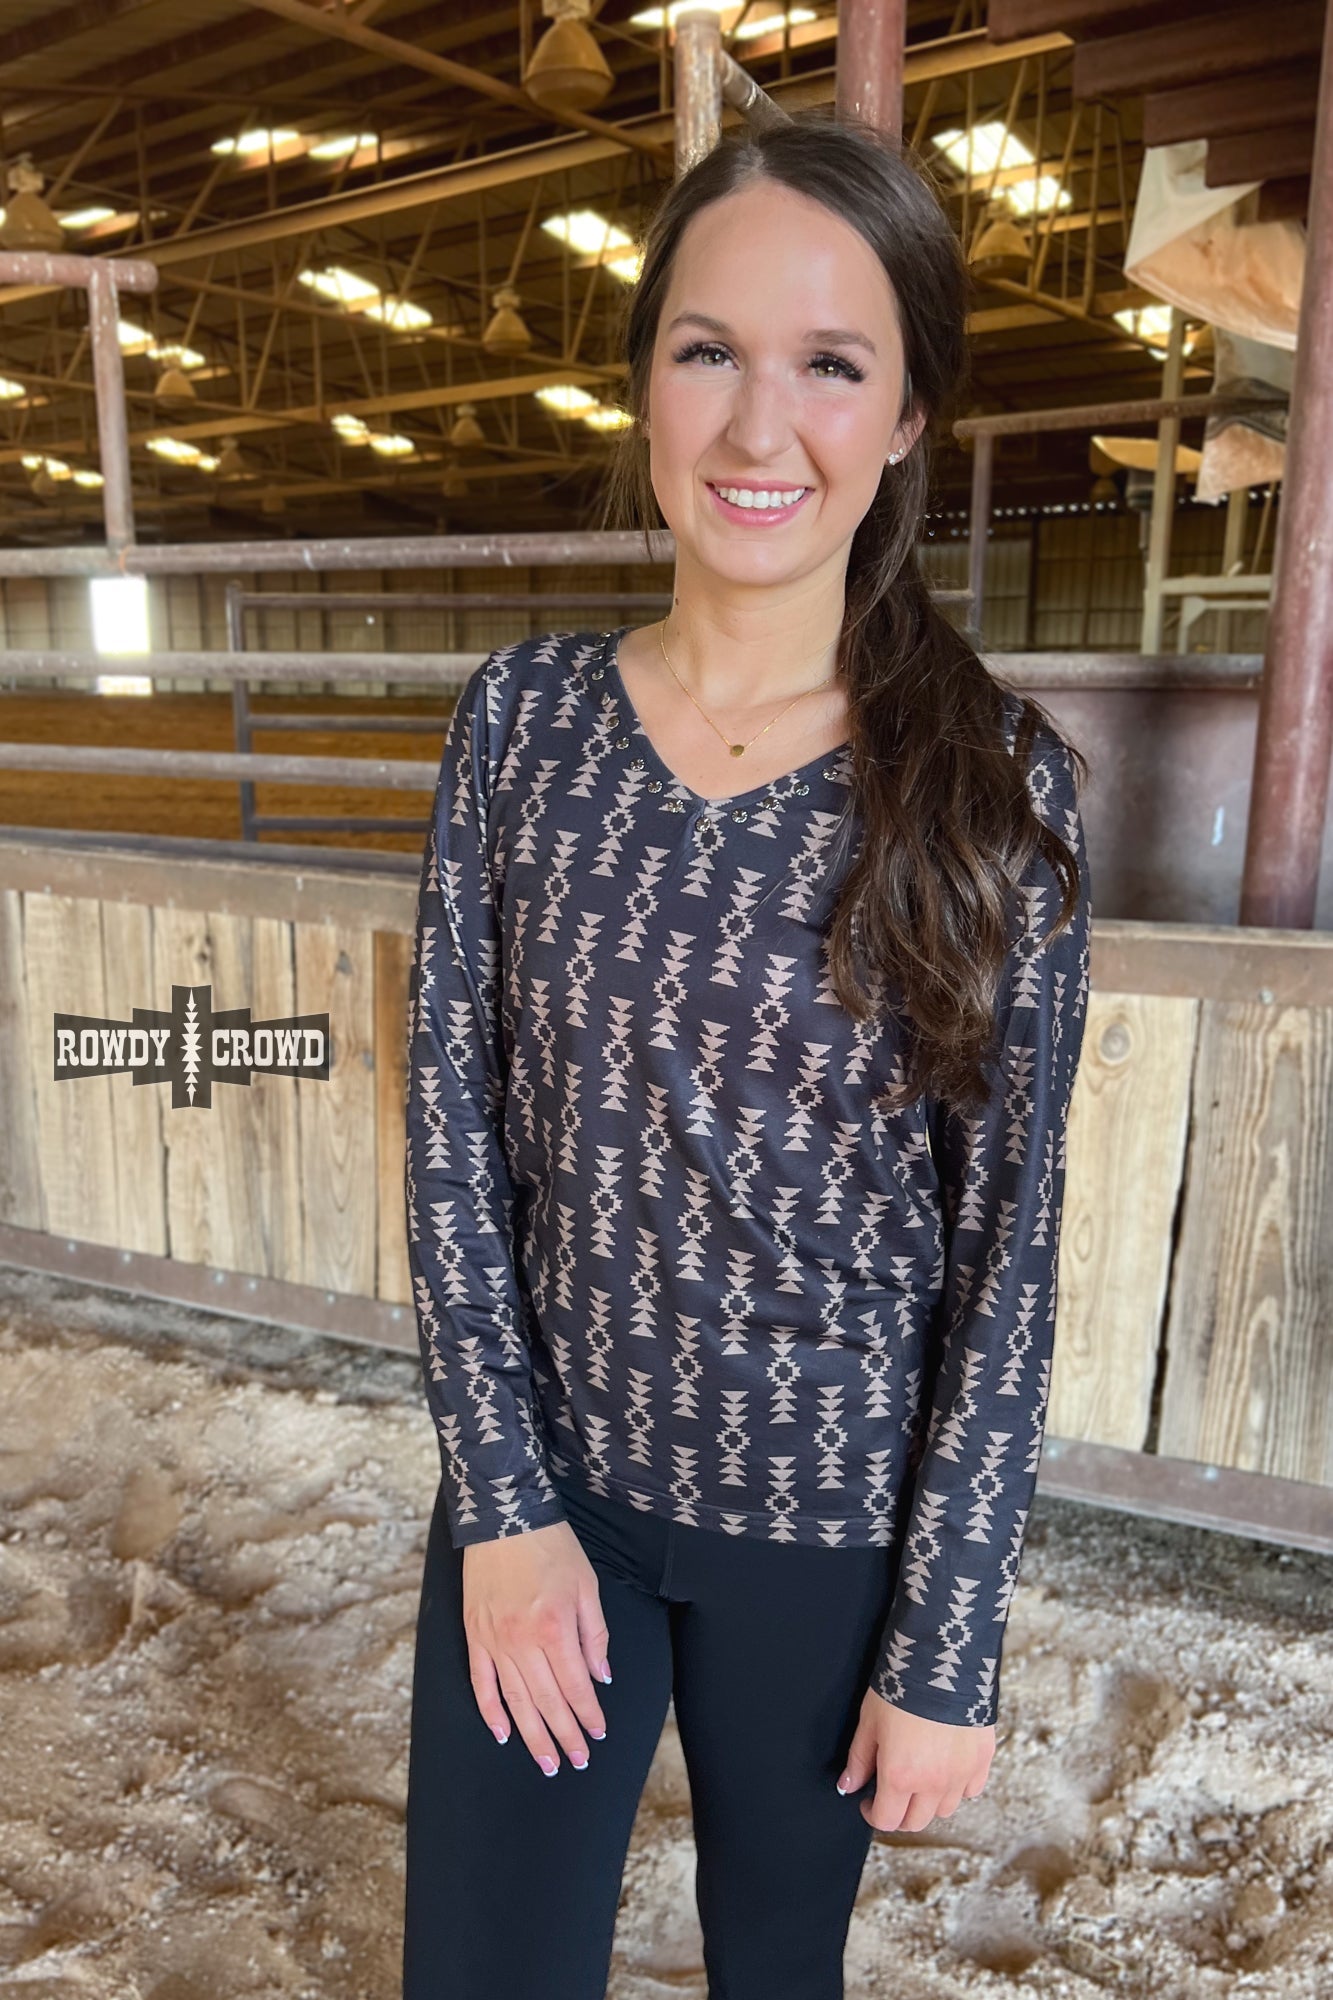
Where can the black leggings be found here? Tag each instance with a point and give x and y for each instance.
(513, 1877)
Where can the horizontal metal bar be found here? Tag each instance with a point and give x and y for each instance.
(1164, 671)
(1215, 586)
(308, 1308)
(118, 759)
(1090, 416)
(60, 267)
(259, 720)
(443, 600)
(439, 670)
(293, 824)
(616, 545)
(1290, 1511)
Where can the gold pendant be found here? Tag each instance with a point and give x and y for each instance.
(738, 749)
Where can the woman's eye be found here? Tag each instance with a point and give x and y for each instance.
(700, 347)
(838, 363)
(847, 369)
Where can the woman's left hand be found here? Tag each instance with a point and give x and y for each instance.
(922, 1770)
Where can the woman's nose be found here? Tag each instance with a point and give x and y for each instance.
(761, 413)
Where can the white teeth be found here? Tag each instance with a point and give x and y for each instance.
(746, 496)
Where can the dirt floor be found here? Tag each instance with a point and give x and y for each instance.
(211, 1537)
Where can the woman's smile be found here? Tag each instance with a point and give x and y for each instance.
(763, 506)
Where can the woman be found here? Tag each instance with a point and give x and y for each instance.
(749, 989)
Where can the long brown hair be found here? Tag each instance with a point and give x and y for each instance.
(922, 924)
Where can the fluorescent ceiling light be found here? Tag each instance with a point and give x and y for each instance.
(38, 462)
(565, 398)
(137, 340)
(181, 452)
(177, 355)
(985, 147)
(398, 314)
(120, 613)
(771, 24)
(658, 17)
(9, 389)
(584, 230)
(389, 445)
(84, 218)
(592, 235)
(351, 428)
(1036, 196)
(340, 144)
(340, 284)
(255, 144)
(1151, 325)
(87, 478)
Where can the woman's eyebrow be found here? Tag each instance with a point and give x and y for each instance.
(843, 335)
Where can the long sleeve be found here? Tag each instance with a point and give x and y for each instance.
(1002, 1173)
(460, 1196)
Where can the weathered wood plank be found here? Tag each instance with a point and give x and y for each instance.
(1249, 1335)
(1128, 1125)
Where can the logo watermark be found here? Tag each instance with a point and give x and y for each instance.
(192, 1048)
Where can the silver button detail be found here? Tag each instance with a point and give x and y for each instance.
(654, 784)
(597, 673)
(622, 743)
(803, 788)
(636, 763)
(740, 813)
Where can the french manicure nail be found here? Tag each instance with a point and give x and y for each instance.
(550, 1766)
(842, 1787)
(580, 1766)
(501, 1736)
(599, 1735)
(606, 1670)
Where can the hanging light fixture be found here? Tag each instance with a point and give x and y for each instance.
(465, 429)
(175, 390)
(567, 70)
(1001, 250)
(29, 223)
(507, 333)
(232, 462)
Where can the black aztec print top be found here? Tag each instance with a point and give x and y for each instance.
(665, 1240)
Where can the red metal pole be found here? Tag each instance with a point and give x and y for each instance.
(871, 38)
(1294, 742)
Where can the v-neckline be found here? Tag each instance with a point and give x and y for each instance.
(785, 778)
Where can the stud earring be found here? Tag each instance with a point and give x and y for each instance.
(893, 458)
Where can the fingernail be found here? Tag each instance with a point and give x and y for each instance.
(580, 1766)
(842, 1784)
(550, 1766)
(606, 1670)
(598, 1734)
(499, 1737)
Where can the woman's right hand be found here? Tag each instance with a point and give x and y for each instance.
(532, 1612)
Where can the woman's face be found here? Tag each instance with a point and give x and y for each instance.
(778, 365)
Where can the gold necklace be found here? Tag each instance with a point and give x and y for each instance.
(736, 749)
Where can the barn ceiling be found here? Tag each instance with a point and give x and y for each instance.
(334, 194)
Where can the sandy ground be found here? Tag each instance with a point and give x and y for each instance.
(211, 1536)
